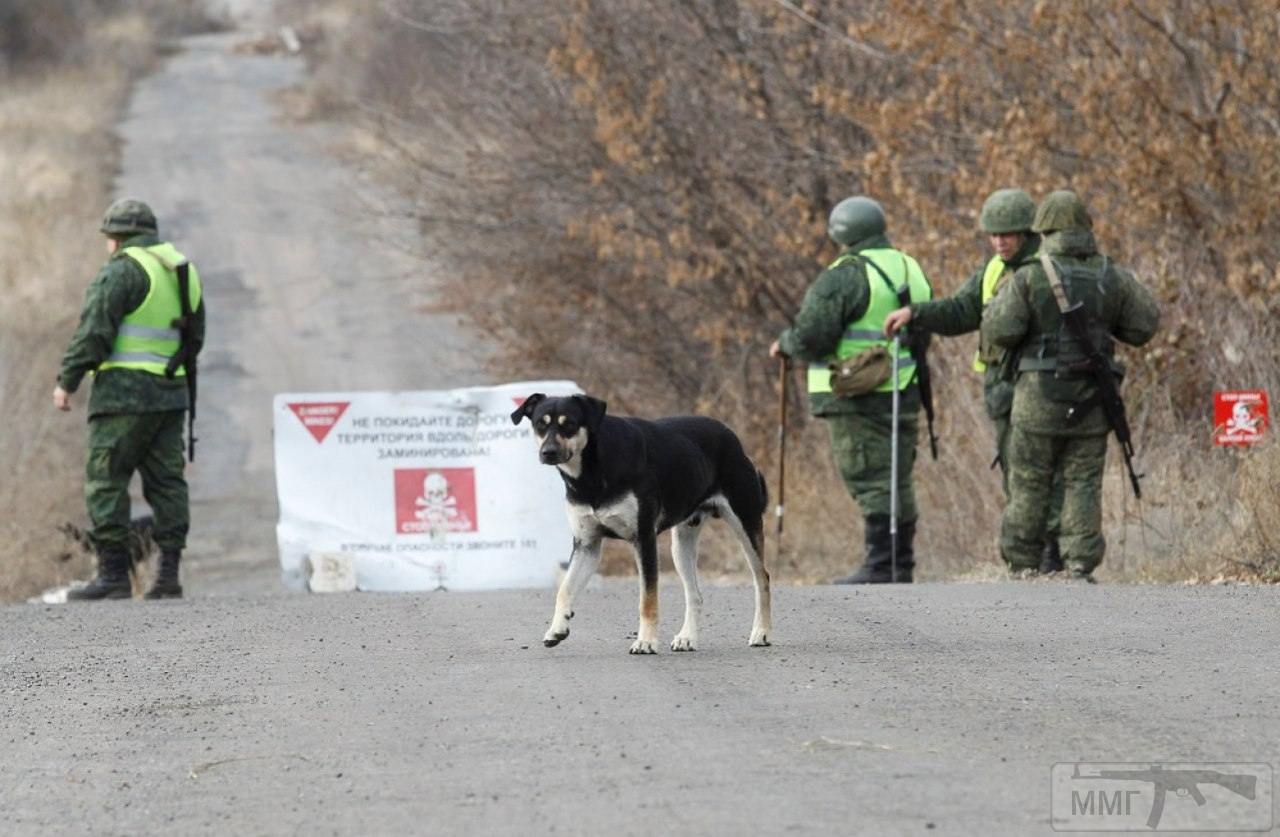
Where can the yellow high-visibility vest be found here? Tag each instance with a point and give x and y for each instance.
(868, 330)
(990, 283)
(147, 338)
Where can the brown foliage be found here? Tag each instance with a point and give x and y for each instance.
(634, 194)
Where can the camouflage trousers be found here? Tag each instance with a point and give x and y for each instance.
(861, 446)
(1035, 461)
(1054, 524)
(151, 444)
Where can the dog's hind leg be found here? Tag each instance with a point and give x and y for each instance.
(646, 546)
(762, 625)
(750, 535)
(582, 565)
(684, 551)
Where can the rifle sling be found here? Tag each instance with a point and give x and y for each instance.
(183, 270)
(904, 293)
(1055, 283)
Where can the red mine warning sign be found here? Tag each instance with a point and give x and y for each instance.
(319, 417)
(1239, 417)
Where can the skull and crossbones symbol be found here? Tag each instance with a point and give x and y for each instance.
(436, 505)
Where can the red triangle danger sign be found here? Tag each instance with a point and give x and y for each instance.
(319, 416)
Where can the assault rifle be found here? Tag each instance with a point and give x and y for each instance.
(185, 357)
(918, 341)
(1097, 365)
(1181, 782)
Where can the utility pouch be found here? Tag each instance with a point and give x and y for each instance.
(862, 373)
(988, 352)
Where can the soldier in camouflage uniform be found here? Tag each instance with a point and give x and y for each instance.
(842, 316)
(1006, 219)
(1059, 431)
(127, 334)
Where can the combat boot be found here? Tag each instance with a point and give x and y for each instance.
(876, 567)
(166, 585)
(1079, 574)
(112, 580)
(1051, 557)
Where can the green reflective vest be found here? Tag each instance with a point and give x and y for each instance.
(147, 337)
(868, 331)
(990, 282)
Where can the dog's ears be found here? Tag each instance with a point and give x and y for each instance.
(527, 408)
(592, 410)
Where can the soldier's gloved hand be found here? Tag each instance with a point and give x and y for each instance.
(896, 320)
(775, 350)
(61, 398)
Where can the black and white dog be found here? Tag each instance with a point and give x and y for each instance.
(630, 479)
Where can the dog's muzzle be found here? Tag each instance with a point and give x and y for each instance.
(554, 456)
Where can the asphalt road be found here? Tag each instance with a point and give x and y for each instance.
(311, 278)
(934, 709)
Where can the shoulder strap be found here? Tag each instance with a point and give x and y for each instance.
(136, 253)
(1055, 283)
(184, 286)
(903, 293)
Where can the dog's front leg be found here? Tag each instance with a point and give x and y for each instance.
(583, 562)
(646, 547)
(684, 549)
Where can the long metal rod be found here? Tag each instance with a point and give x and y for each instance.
(780, 508)
(893, 465)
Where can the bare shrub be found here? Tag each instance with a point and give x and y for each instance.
(634, 194)
(1254, 552)
(32, 31)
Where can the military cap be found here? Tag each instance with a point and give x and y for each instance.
(1007, 211)
(855, 219)
(1062, 210)
(128, 216)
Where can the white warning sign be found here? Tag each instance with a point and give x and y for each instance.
(423, 490)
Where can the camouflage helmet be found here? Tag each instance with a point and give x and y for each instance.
(128, 216)
(1061, 210)
(855, 219)
(1007, 211)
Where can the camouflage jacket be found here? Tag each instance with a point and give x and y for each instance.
(838, 296)
(962, 312)
(1024, 318)
(120, 287)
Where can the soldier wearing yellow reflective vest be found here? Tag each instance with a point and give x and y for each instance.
(1006, 220)
(843, 315)
(126, 337)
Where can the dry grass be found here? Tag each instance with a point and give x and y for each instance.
(57, 163)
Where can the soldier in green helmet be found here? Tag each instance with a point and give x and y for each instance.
(842, 318)
(1059, 431)
(131, 330)
(1006, 220)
